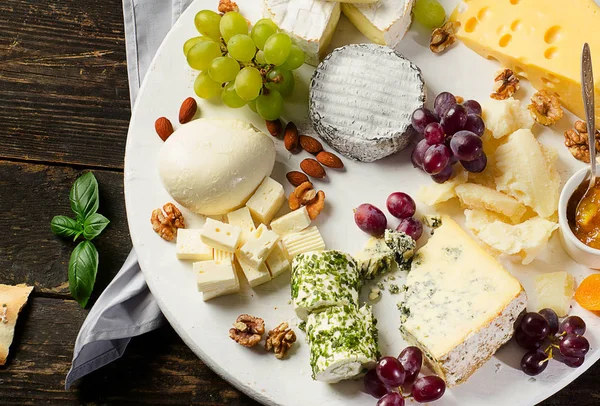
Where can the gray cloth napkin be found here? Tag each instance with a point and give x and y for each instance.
(126, 308)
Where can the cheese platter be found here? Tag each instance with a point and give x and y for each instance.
(351, 187)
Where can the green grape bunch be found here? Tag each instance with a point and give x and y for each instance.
(245, 67)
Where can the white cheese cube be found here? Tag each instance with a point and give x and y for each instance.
(243, 219)
(190, 245)
(221, 236)
(211, 294)
(555, 290)
(214, 275)
(266, 201)
(259, 246)
(277, 261)
(304, 241)
(219, 255)
(255, 276)
(292, 222)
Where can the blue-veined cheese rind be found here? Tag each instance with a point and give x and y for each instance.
(324, 278)
(342, 341)
(376, 258)
(402, 245)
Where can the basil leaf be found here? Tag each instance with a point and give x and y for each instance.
(93, 225)
(84, 196)
(65, 226)
(83, 267)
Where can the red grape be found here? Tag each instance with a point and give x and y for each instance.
(411, 359)
(466, 146)
(551, 318)
(525, 341)
(475, 124)
(436, 158)
(428, 388)
(443, 102)
(370, 219)
(401, 205)
(472, 107)
(391, 399)
(573, 362)
(421, 118)
(477, 165)
(535, 326)
(418, 153)
(411, 227)
(434, 133)
(444, 175)
(390, 372)
(373, 385)
(534, 362)
(573, 345)
(454, 120)
(572, 325)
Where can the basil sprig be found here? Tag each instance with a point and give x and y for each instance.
(83, 265)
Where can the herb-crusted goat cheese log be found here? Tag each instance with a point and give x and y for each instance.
(322, 279)
(342, 341)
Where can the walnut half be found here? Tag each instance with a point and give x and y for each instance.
(545, 107)
(506, 83)
(443, 37)
(247, 330)
(226, 6)
(166, 224)
(280, 340)
(576, 140)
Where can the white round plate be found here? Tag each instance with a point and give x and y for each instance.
(204, 326)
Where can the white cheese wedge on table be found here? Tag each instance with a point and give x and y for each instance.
(266, 201)
(216, 278)
(190, 245)
(361, 98)
(221, 236)
(254, 275)
(555, 290)
(243, 219)
(503, 117)
(310, 23)
(278, 262)
(259, 246)
(384, 22)
(475, 196)
(460, 304)
(436, 193)
(292, 222)
(306, 240)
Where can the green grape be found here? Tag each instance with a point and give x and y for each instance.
(232, 23)
(277, 48)
(248, 83)
(429, 13)
(223, 69)
(282, 80)
(193, 41)
(269, 106)
(241, 47)
(295, 59)
(261, 33)
(252, 105)
(260, 58)
(207, 23)
(201, 54)
(205, 87)
(231, 98)
(267, 21)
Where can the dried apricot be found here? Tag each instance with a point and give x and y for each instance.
(588, 293)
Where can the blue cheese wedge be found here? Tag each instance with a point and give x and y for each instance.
(376, 258)
(322, 279)
(361, 100)
(403, 247)
(459, 305)
(343, 342)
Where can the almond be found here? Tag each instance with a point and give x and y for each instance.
(312, 168)
(274, 127)
(187, 110)
(310, 144)
(330, 160)
(163, 128)
(290, 137)
(296, 178)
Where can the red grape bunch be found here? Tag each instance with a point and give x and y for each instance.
(393, 379)
(545, 338)
(452, 133)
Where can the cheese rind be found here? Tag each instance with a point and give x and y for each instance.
(190, 245)
(213, 275)
(243, 219)
(460, 304)
(292, 222)
(259, 246)
(220, 236)
(266, 201)
(306, 240)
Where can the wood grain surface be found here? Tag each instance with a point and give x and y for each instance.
(64, 109)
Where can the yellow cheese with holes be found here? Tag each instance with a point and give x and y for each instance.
(538, 40)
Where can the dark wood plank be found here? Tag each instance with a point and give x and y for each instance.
(63, 84)
(31, 195)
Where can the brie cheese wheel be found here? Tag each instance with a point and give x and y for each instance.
(384, 22)
(361, 100)
(212, 166)
(310, 23)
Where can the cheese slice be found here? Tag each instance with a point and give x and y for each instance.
(278, 262)
(213, 275)
(538, 41)
(310, 23)
(383, 22)
(222, 291)
(460, 305)
(255, 275)
(475, 196)
(306, 240)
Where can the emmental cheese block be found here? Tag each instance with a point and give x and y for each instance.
(538, 41)
(460, 305)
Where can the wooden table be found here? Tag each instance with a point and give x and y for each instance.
(64, 107)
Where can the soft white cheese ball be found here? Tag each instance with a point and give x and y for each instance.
(212, 166)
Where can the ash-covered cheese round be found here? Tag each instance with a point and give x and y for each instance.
(361, 100)
(322, 279)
